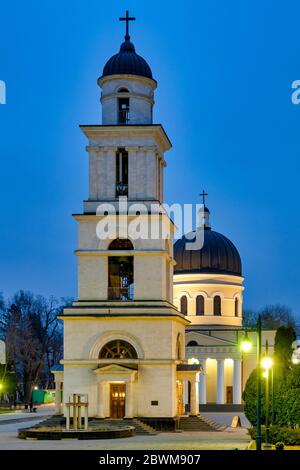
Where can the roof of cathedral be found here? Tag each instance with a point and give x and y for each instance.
(127, 61)
(217, 255)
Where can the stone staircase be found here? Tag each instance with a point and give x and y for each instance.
(196, 423)
(141, 429)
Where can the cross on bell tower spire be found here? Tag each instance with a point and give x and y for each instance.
(127, 19)
(203, 195)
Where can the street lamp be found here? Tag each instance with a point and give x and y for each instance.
(267, 364)
(246, 344)
(246, 347)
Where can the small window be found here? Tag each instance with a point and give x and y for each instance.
(217, 305)
(192, 343)
(183, 305)
(199, 305)
(236, 307)
(123, 90)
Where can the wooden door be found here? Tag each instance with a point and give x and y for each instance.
(117, 401)
(229, 395)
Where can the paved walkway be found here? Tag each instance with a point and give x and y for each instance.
(228, 440)
(20, 416)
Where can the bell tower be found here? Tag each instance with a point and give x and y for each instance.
(125, 282)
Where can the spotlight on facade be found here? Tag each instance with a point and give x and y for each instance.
(246, 344)
(267, 362)
(265, 374)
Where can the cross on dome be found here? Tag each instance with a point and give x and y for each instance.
(203, 194)
(127, 18)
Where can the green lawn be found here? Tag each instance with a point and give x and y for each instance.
(252, 446)
(3, 411)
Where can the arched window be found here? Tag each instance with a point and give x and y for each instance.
(123, 90)
(121, 244)
(236, 307)
(192, 343)
(199, 305)
(118, 349)
(217, 305)
(183, 305)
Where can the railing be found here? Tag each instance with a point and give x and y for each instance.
(120, 293)
(121, 189)
(123, 116)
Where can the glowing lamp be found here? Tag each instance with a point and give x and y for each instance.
(267, 363)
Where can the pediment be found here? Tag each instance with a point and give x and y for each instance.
(129, 368)
(203, 339)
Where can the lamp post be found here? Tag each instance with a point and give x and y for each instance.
(258, 346)
(272, 395)
(267, 364)
(246, 346)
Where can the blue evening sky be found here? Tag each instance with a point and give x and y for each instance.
(224, 70)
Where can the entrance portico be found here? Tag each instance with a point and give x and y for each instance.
(115, 388)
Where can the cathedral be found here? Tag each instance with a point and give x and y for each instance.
(156, 328)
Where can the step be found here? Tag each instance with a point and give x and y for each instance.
(195, 423)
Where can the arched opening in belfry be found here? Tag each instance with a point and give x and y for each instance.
(120, 272)
(123, 107)
(121, 172)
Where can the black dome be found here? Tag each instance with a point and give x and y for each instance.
(127, 61)
(218, 255)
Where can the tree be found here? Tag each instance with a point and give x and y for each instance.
(249, 318)
(285, 335)
(250, 399)
(272, 317)
(33, 337)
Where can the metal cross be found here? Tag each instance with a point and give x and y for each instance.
(203, 194)
(127, 19)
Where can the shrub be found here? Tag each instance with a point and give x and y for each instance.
(279, 446)
(288, 436)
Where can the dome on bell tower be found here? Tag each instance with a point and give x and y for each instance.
(127, 62)
(127, 86)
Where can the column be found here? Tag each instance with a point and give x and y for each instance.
(220, 382)
(129, 400)
(202, 384)
(58, 398)
(194, 406)
(92, 172)
(237, 381)
(108, 191)
(186, 394)
(101, 400)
